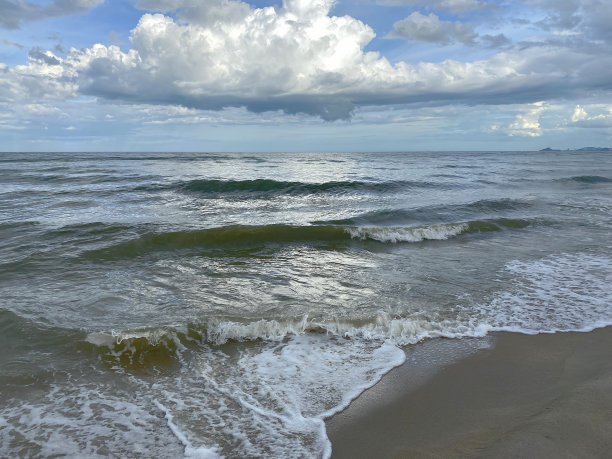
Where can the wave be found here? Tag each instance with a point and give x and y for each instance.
(18, 225)
(241, 236)
(407, 234)
(587, 179)
(432, 214)
(540, 298)
(163, 347)
(214, 188)
(22, 334)
(433, 232)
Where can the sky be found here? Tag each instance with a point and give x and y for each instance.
(304, 75)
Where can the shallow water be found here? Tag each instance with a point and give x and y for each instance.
(225, 304)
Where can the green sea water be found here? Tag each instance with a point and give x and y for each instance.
(210, 305)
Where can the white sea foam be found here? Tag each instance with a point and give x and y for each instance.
(220, 332)
(408, 234)
(380, 328)
(201, 452)
(270, 395)
(269, 401)
(557, 293)
(281, 393)
(85, 420)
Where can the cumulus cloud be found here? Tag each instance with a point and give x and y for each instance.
(601, 118)
(14, 13)
(431, 29)
(579, 114)
(45, 77)
(296, 59)
(46, 57)
(528, 124)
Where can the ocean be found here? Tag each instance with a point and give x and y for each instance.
(225, 305)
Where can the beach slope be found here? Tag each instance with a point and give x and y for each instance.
(527, 396)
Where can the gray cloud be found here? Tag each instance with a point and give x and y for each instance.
(297, 59)
(37, 54)
(589, 17)
(12, 43)
(452, 6)
(494, 41)
(431, 29)
(198, 12)
(14, 13)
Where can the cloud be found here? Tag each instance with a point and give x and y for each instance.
(46, 57)
(579, 114)
(589, 17)
(560, 14)
(14, 13)
(602, 118)
(494, 41)
(12, 43)
(452, 6)
(42, 110)
(431, 29)
(528, 124)
(208, 12)
(295, 59)
(45, 77)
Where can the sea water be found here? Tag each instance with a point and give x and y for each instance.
(224, 305)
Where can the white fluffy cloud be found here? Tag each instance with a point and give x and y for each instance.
(528, 123)
(598, 116)
(579, 114)
(295, 58)
(45, 77)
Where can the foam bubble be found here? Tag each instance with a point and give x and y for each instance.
(408, 234)
(380, 328)
(85, 420)
(567, 292)
(201, 452)
(271, 399)
(220, 332)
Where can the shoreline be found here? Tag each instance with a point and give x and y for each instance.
(513, 395)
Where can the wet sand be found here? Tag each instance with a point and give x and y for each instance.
(525, 396)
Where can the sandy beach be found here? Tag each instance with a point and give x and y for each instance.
(546, 395)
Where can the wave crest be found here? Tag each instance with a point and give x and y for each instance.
(241, 236)
(408, 234)
(163, 347)
(267, 187)
(587, 179)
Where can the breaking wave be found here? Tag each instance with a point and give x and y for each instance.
(161, 347)
(263, 235)
(541, 298)
(431, 214)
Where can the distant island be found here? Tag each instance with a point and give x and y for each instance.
(580, 149)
